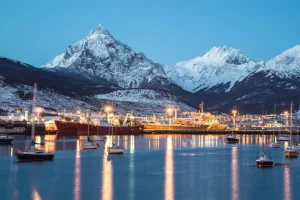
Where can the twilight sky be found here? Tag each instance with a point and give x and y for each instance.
(166, 31)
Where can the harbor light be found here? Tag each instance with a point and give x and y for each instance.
(107, 109)
(234, 111)
(170, 110)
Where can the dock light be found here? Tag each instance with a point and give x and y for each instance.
(285, 112)
(170, 110)
(78, 112)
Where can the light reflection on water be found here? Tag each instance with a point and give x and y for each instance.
(287, 184)
(169, 170)
(167, 154)
(234, 174)
(77, 175)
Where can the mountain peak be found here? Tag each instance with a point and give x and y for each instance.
(285, 64)
(226, 55)
(99, 54)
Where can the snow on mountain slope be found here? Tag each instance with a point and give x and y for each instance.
(20, 96)
(144, 101)
(285, 65)
(101, 55)
(219, 66)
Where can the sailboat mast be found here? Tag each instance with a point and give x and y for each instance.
(88, 120)
(33, 110)
(291, 121)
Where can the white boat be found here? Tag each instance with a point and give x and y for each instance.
(34, 154)
(291, 151)
(282, 137)
(100, 139)
(115, 149)
(90, 145)
(275, 145)
(263, 160)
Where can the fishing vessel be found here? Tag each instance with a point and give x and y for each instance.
(34, 154)
(263, 160)
(291, 151)
(64, 128)
(188, 121)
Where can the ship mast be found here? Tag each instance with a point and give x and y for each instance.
(33, 111)
(291, 122)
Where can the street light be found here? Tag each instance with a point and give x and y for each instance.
(234, 111)
(108, 109)
(170, 110)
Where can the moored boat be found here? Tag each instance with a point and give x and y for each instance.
(264, 161)
(34, 155)
(283, 137)
(275, 145)
(115, 149)
(231, 138)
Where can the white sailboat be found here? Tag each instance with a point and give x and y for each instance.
(291, 151)
(89, 144)
(34, 154)
(274, 144)
(114, 149)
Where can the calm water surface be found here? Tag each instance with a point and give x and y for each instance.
(153, 167)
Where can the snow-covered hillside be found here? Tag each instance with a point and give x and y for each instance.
(101, 55)
(217, 67)
(20, 96)
(284, 65)
(144, 101)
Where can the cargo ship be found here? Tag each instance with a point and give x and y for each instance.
(64, 128)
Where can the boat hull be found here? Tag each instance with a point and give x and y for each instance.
(264, 164)
(70, 128)
(115, 151)
(23, 157)
(274, 145)
(288, 154)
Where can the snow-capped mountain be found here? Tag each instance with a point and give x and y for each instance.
(286, 64)
(68, 90)
(100, 54)
(221, 66)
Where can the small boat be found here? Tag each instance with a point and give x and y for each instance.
(275, 145)
(90, 145)
(291, 152)
(115, 149)
(100, 139)
(34, 155)
(5, 139)
(231, 138)
(283, 137)
(263, 160)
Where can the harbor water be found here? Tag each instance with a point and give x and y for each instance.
(153, 167)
